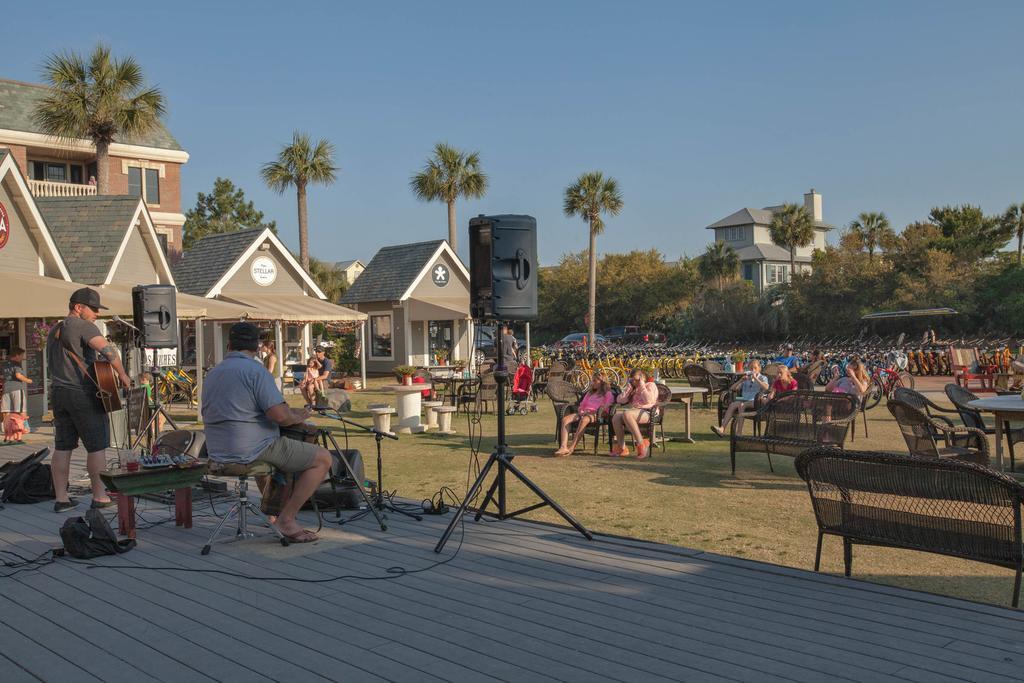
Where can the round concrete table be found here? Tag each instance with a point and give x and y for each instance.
(1004, 409)
(408, 399)
(685, 396)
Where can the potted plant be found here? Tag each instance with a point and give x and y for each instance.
(441, 356)
(536, 355)
(405, 372)
(738, 358)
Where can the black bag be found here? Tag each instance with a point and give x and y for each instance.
(27, 481)
(91, 536)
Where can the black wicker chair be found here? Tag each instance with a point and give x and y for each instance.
(922, 435)
(796, 421)
(960, 397)
(952, 508)
(938, 415)
(698, 376)
(563, 397)
(656, 422)
(595, 428)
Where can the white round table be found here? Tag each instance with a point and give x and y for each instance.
(408, 399)
(1004, 409)
(685, 396)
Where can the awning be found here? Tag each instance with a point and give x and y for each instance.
(36, 296)
(188, 306)
(437, 308)
(295, 308)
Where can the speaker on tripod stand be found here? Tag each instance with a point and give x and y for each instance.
(503, 287)
(155, 314)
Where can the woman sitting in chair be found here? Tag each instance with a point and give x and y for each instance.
(855, 382)
(752, 384)
(594, 404)
(784, 382)
(635, 403)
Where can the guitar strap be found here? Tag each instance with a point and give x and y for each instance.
(75, 357)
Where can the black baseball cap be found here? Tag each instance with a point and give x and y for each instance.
(87, 296)
(244, 337)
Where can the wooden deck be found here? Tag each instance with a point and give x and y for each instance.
(519, 602)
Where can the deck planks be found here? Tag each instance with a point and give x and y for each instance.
(521, 601)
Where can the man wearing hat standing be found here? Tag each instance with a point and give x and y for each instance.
(72, 346)
(243, 410)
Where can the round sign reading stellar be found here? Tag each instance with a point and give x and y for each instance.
(263, 271)
(5, 226)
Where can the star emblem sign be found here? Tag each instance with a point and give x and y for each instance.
(440, 275)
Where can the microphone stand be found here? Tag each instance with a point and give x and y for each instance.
(379, 502)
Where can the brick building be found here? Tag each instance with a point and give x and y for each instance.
(148, 167)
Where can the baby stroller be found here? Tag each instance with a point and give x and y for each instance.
(522, 384)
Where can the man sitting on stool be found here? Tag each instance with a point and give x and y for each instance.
(243, 411)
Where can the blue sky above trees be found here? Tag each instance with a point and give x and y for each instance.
(697, 110)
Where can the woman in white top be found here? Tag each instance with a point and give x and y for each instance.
(752, 384)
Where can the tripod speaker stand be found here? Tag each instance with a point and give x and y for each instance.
(502, 458)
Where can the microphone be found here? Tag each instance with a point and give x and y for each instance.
(119, 319)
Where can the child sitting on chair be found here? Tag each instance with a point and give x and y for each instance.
(311, 383)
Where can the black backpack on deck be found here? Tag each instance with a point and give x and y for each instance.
(91, 536)
(27, 481)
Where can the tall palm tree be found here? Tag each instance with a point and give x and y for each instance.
(1013, 220)
(590, 196)
(298, 165)
(872, 230)
(719, 263)
(101, 99)
(329, 278)
(449, 174)
(791, 228)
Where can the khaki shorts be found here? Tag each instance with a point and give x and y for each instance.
(289, 455)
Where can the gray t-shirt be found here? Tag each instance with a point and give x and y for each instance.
(75, 335)
(236, 397)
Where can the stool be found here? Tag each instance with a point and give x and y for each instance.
(429, 406)
(242, 506)
(444, 419)
(382, 418)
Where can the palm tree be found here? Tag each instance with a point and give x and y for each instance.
(791, 228)
(101, 99)
(872, 231)
(719, 263)
(590, 196)
(449, 174)
(329, 278)
(298, 165)
(1013, 220)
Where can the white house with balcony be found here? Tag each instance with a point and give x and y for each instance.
(763, 262)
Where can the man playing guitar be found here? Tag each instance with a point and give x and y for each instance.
(72, 347)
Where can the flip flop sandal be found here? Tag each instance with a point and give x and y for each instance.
(304, 536)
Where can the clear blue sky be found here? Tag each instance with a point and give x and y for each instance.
(698, 109)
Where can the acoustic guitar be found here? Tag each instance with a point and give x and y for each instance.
(108, 387)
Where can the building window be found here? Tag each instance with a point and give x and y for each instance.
(748, 271)
(777, 273)
(152, 186)
(380, 337)
(134, 181)
(76, 174)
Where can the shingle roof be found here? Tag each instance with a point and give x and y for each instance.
(390, 272)
(206, 262)
(88, 231)
(748, 216)
(18, 100)
(767, 252)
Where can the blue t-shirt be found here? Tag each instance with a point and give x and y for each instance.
(326, 366)
(236, 397)
(750, 389)
(789, 361)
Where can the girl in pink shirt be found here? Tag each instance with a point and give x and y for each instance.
(594, 404)
(783, 382)
(636, 401)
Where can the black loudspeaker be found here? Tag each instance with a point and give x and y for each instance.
(503, 267)
(348, 490)
(156, 315)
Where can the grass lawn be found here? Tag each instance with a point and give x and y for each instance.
(685, 496)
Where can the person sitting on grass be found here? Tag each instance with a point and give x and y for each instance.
(636, 402)
(855, 382)
(752, 384)
(783, 382)
(594, 404)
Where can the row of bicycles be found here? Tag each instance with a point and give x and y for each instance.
(891, 363)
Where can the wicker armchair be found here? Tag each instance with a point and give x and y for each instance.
(602, 424)
(919, 431)
(563, 397)
(951, 508)
(939, 415)
(960, 397)
(699, 376)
